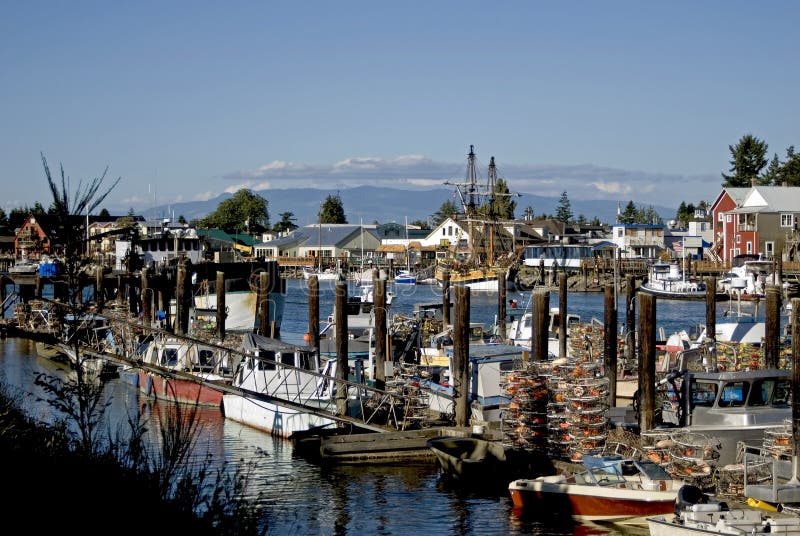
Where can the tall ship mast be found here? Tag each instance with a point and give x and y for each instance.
(489, 247)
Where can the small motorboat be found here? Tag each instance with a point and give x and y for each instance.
(610, 489)
(405, 277)
(696, 513)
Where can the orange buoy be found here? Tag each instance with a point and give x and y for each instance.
(307, 337)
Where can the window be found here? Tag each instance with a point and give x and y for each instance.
(169, 357)
(738, 239)
(721, 216)
(749, 247)
(787, 220)
(267, 360)
(704, 394)
(769, 391)
(733, 394)
(769, 248)
(728, 218)
(742, 219)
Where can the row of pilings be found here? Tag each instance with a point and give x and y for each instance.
(640, 339)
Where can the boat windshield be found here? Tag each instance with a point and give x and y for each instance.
(770, 391)
(606, 476)
(703, 393)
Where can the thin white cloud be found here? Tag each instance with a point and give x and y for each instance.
(204, 196)
(414, 171)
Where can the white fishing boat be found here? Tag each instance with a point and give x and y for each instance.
(698, 514)
(668, 280)
(272, 371)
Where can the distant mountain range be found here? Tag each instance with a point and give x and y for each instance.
(369, 204)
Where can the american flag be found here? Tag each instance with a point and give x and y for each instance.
(677, 246)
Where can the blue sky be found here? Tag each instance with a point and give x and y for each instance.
(185, 100)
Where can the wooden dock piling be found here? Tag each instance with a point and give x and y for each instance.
(461, 355)
(147, 298)
(446, 297)
(796, 388)
(630, 318)
(539, 333)
(342, 365)
(610, 343)
(381, 355)
(313, 312)
(221, 307)
(711, 308)
(99, 291)
(647, 361)
(562, 315)
(181, 301)
(772, 326)
(263, 305)
(501, 305)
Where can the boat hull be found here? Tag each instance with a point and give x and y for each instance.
(179, 390)
(589, 502)
(270, 418)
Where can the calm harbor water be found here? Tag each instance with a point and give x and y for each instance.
(303, 498)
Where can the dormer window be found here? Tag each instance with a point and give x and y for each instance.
(787, 220)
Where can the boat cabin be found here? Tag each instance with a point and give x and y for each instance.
(756, 393)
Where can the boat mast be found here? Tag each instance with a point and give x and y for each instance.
(492, 183)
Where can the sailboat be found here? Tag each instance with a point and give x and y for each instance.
(321, 274)
(490, 249)
(407, 276)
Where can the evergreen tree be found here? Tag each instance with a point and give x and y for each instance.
(332, 210)
(748, 158)
(422, 224)
(564, 209)
(286, 223)
(104, 214)
(502, 207)
(182, 220)
(446, 210)
(790, 172)
(628, 215)
(3, 221)
(772, 175)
